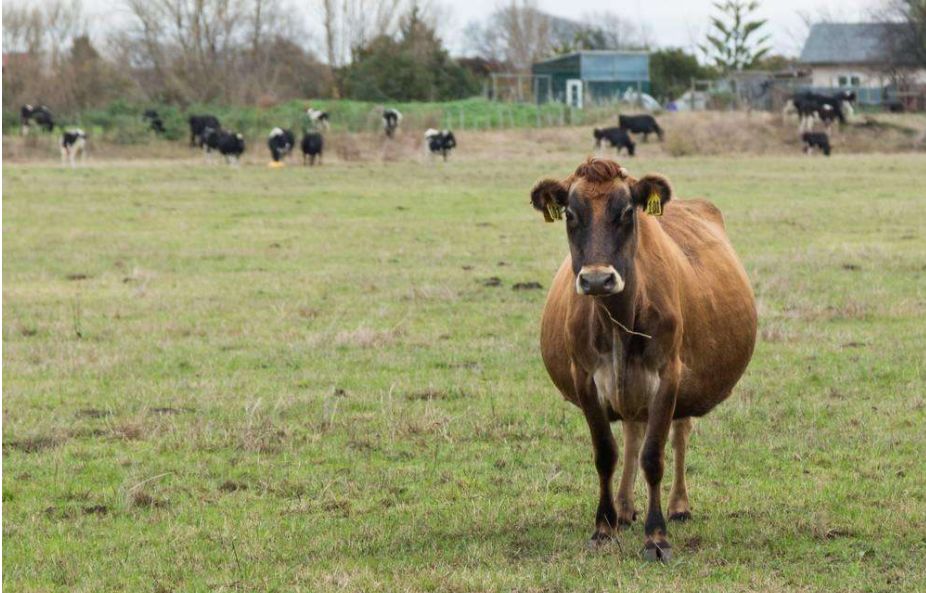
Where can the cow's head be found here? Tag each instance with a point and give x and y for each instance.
(601, 204)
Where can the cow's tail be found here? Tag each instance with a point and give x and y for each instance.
(659, 131)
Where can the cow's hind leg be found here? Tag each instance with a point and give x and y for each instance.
(605, 461)
(633, 438)
(679, 509)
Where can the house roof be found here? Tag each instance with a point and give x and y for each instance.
(848, 43)
(595, 52)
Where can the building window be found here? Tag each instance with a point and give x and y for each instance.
(849, 80)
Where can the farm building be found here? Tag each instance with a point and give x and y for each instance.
(592, 76)
(855, 56)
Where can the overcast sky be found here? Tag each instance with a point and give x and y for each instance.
(670, 23)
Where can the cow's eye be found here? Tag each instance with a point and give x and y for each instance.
(626, 215)
(570, 217)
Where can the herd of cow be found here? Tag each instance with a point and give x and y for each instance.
(207, 133)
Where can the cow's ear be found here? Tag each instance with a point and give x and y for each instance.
(651, 193)
(550, 197)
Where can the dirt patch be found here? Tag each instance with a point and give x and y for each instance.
(232, 486)
(141, 499)
(167, 410)
(693, 544)
(432, 393)
(527, 286)
(492, 281)
(851, 267)
(76, 276)
(33, 444)
(97, 509)
(92, 413)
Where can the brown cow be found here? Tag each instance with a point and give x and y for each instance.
(651, 320)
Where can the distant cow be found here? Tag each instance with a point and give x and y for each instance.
(319, 120)
(811, 106)
(228, 144)
(440, 142)
(640, 124)
(198, 126)
(313, 144)
(281, 143)
(616, 137)
(73, 143)
(814, 140)
(391, 119)
(155, 123)
(40, 116)
(650, 321)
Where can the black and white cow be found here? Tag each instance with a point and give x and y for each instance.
(391, 119)
(313, 144)
(811, 106)
(616, 137)
(318, 120)
(228, 144)
(40, 116)
(198, 126)
(73, 143)
(155, 123)
(640, 124)
(440, 142)
(281, 143)
(814, 140)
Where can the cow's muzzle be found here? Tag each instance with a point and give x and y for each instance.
(599, 281)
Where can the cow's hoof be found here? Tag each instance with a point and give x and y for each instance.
(681, 517)
(657, 552)
(599, 540)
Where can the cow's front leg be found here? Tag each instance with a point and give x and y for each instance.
(605, 460)
(652, 462)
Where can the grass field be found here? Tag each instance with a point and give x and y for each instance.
(307, 380)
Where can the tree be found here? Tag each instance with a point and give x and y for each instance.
(413, 67)
(733, 41)
(671, 71)
(905, 32)
(516, 33)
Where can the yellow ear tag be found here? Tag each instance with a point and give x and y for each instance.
(654, 205)
(553, 212)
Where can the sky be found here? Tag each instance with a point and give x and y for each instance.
(670, 23)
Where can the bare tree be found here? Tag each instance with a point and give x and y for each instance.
(350, 25)
(516, 33)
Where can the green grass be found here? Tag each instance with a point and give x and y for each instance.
(295, 380)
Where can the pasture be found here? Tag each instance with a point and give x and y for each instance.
(222, 379)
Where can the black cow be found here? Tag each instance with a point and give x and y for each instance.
(813, 140)
(281, 143)
(391, 119)
(228, 144)
(440, 142)
(198, 126)
(319, 120)
(72, 143)
(40, 116)
(616, 137)
(313, 144)
(155, 123)
(640, 124)
(827, 108)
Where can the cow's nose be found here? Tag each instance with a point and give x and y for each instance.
(599, 281)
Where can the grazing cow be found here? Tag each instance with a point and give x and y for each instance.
(814, 140)
(440, 142)
(198, 126)
(391, 119)
(40, 116)
(616, 137)
(73, 143)
(281, 143)
(810, 106)
(650, 320)
(313, 144)
(640, 124)
(228, 144)
(155, 123)
(319, 120)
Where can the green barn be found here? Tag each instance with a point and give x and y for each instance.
(592, 76)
